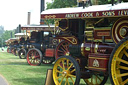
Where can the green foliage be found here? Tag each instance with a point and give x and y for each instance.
(5, 36)
(101, 1)
(104, 2)
(1, 30)
(61, 4)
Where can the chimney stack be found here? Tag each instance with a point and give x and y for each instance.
(42, 7)
(29, 14)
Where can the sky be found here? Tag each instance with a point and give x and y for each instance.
(15, 12)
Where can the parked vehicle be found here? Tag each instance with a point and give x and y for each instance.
(12, 44)
(18, 47)
(97, 44)
(40, 45)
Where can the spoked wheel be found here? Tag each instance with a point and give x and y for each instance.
(47, 60)
(118, 63)
(34, 57)
(22, 53)
(66, 71)
(62, 49)
(8, 50)
(96, 78)
(14, 51)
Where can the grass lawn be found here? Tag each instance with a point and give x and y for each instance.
(18, 72)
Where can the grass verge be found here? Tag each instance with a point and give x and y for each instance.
(18, 72)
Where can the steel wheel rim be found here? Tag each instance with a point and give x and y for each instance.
(117, 67)
(62, 49)
(62, 72)
(96, 79)
(33, 57)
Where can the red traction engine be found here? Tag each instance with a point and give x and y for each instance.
(95, 44)
(87, 53)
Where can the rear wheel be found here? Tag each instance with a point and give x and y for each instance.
(120, 29)
(34, 57)
(66, 71)
(62, 49)
(118, 63)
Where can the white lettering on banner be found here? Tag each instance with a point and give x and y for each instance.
(71, 15)
(125, 12)
(87, 15)
(110, 13)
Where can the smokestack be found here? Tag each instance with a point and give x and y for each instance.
(11, 34)
(19, 28)
(29, 14)
(42, 6)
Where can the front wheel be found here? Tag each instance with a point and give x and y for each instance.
(22, 53)
(15, 49)
(8, 50)
(118, 63)
(66, 71)
(34, 57)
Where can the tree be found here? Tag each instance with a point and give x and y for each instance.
(98, 2)
(61, 4)
(5, 36)
(1, 30)
(72, 3)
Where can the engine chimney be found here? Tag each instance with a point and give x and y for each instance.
(42, 7)
(29, 14)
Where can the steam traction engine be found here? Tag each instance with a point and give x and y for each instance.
(40, 45)
(21, 51)
(20, 42)
(95, 44)
(12, 43)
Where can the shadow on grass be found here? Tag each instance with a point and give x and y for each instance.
(40, 69)
(16, 63)
(31, 81)
(47, 65)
